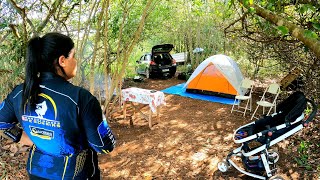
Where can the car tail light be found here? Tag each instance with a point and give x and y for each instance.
(152, 63)
(174, 62)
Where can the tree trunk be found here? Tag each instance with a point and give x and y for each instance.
(105, 59)
(81, 43)
(122, 60)
(95, 50)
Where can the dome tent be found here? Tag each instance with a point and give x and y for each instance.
(217, 75)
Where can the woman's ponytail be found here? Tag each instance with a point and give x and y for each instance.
(31, 82)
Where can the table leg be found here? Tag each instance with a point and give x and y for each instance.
(134, 111)
(124, 110)
(150, 116)
(158, 113)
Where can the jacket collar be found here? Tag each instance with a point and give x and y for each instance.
(49, 75)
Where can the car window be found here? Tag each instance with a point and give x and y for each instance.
(142, 58)
(166, 56)
(147, 57)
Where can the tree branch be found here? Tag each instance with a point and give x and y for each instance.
(69, 12)
(234, 22)
(4, 36)
(268, 40)
(295, 2)
(54, 6)
(295, 30)
(22, 13)
(5, 71)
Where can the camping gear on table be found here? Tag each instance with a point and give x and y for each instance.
(217, 75)
(256, 138)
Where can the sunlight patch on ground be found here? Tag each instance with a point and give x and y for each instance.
(212, 133)
(129, 147)
(220, 124)
(228, 137)
(200, 139)
(172, 141)
(213, 163)
(294, 175)
(228, 123)
(200, 162)
(199, 156)
(181, 125)
(216, 140)
(221, 110)
(169, 97)
(170, 153)
(284, 144)
(123, 121)
(174, 122)
(124, 173)
(150, 161)
(182, 157)
(174, 108)
(155, 168)
(178, 124)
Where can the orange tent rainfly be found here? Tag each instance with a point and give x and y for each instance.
(217, 75)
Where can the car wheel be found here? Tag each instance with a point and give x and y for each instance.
(136, 70)
(172, 74)
(147, 73)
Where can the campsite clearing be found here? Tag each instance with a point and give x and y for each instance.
(191, 137)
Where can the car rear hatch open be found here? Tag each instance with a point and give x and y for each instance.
(163, 48)
(161, 54)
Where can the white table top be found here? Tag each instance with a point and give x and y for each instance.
(144, 96)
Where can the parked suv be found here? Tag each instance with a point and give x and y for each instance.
(158, 63)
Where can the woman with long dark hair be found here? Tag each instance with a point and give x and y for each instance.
(63, 122)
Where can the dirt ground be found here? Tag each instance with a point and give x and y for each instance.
(188, 141)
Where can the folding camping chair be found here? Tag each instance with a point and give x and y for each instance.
(246, 85)
(274, 91)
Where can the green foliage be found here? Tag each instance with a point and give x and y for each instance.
(3, 25)
(308, 111)
(283, 30)
(130, 71)
(270, 6)
(310, 34)
(184, 68)
(316, 26)
(252, 10)
(303, 158)
(246, 3)
(305, 8)
(11, 65)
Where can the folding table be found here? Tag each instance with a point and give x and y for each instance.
(154, 99)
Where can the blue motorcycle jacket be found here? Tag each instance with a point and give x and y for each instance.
(66, 127)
